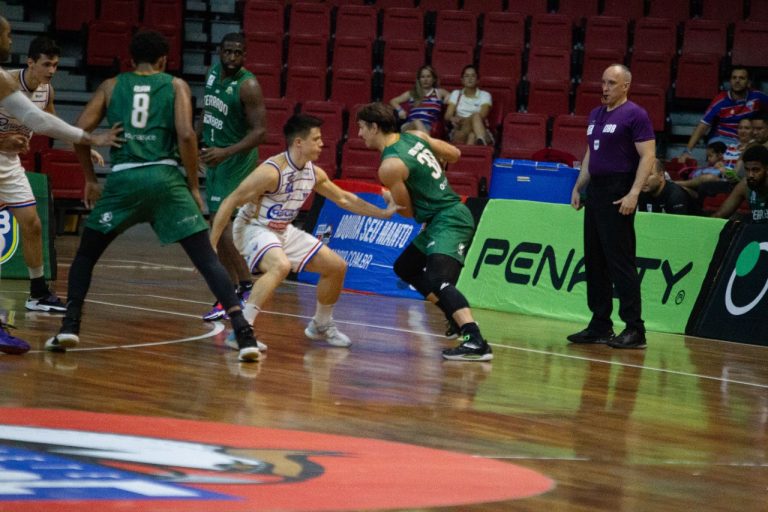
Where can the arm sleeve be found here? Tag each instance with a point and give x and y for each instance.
(20, 107)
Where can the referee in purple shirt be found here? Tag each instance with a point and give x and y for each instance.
(621, 150)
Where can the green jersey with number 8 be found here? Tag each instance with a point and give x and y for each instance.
(427, 185)
(144, 104)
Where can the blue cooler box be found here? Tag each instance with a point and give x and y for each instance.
(548, 182)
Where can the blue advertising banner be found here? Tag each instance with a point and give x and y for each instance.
(370, 247)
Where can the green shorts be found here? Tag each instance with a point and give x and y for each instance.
(449, 232)
(222, 180)
(156, 194)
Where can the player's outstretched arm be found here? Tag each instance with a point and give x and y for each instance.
(352, 202)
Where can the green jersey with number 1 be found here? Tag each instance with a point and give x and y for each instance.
(144, 104)
(428, 187)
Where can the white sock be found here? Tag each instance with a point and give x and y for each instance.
(324, 314)
(249, 312)
(36, 271)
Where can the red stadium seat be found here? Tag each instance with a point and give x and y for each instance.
(402, 23)
(551, 30)
(404, 56)
(263, 16)
(698, 74)
(549, 97)
(163, 12)
(523, 135)
(359, 162)
(450, 58)
(64, 172)
(653, 100)
(278, 112)
(438, 5)
(632, 9)
(595, 62)
(726, 11)
(652, 68)
(108, 43)
(397, 83)
(307, 51)
(569, 134)
(352, 52)
(302, 84)
(483, 6)
(578, 9)
(310, 18)
(507, 28)
(758, 10)
(678, 11)
(173, 34)
(498, 60)
(528, 7)
(655, 34)
(504, 96)
(126, 11)
(475, 161)
(547, 63)
(456, 27)
(269, 78)
(356, 21)
(588, 97)
(263, 48)
(750, 40)
(606, 32)
(351, 86)
(73, 14)
(705, 36)
(331, 112)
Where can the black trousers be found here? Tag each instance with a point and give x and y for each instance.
(609, 254)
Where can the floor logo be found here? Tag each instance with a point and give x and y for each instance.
(745, 264)
(72, 461)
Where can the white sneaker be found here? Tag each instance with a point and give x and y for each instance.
(62, 341)
(231, 342)
(329, 333)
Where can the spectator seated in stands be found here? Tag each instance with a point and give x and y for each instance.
(468, 110)
(727, 109)
(425, 102)
(715, 170)
(661, 195)
(753, 188)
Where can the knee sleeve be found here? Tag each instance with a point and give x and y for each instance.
(441, 276)
(409, 267)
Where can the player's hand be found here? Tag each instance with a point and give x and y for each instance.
(392, 207)
(109, 137)
(14, 143)
(627, 204)
(576, 199)
(196, 196)
(91, 194)
(96, 158)
(213, 156)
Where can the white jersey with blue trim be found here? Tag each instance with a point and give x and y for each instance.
(278, 209)
(9, 125)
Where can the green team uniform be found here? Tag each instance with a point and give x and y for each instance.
(146, 184)
(758, 205)
(225, 124)
(449, 223)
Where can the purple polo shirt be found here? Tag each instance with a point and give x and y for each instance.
(612, 136)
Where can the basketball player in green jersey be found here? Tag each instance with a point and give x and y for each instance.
(233, 124)
(145, 184)
(410, 168)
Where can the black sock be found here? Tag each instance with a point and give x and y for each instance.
(470, 328)
(237, 320)
(37, 287)
(71, 321)
(245, 286)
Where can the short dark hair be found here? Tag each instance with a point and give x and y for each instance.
(756, 153)
(760, 116)
(299, 126)
(734, 68)
(43, 45)
(469, 66)
(148, 46)
(236, 37)
(381, 114)
(717, 146)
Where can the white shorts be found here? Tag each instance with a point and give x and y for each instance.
(15, 191)
(254, 240)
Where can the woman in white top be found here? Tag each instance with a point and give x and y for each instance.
(425, 101)
(468, 110)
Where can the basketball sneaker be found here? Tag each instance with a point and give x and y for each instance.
(62, 341)
(329, 333)
(216, 313)
(231, 342)
(11, 344)
(49, 303)
(472, 348)
(247, 345)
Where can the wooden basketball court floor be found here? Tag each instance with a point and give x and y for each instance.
(682, 425)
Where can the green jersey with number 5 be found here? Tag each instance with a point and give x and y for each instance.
(144, 104)
(427, 185)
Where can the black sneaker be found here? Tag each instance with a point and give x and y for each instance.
(589, 336)
(472, 348)
(249, 347)
(629, 338)
(49, 303)
(452, 329)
